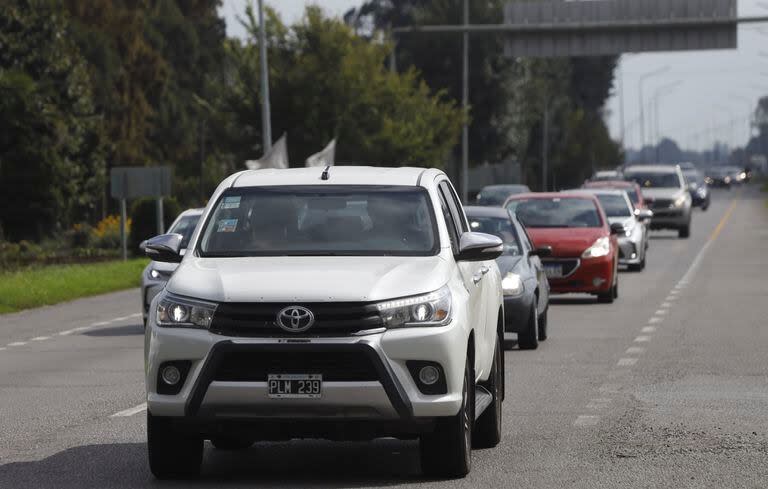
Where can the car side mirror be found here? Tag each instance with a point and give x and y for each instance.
(543, 252)
(164, 248)
(617, 228)
(644, 214)
(479, 247)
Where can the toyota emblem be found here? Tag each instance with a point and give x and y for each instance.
(295, 319)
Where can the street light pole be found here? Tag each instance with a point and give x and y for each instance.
(465, 106)
(266, 120)
(641, 82)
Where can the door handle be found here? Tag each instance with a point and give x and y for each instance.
(477, 279)
(484, 270)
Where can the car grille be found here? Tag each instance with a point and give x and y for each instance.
(334, 366)
(260, 319)
(661, 203)
(569, 265)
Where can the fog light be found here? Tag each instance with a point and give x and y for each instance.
(171, 375)
(634, 255)
(429, 375)
(597, 282)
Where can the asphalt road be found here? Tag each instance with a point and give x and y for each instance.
(668, 387)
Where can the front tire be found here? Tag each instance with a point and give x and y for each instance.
(529, 340)
(231, 443)
(171, 454)
(684, 232)
(447, 451)
(543, 319)
(488, 426)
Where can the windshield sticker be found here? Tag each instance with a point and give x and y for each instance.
(227, 226)
(231, 202)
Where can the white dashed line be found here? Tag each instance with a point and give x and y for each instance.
(586, 420)
(674, 292)
(131, 411)
(665, 305)
(671, 298)
(626, 362)
(655, 320)
(2, 348)
(635, 350)
(17, 343)
(597, 404)
(41, 338)
(642, 339)
(648, 329)
(661, 312)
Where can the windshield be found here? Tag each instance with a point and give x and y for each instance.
(614, 205)
(655, 180)
(185, 226)
(496, 196)
(693, 176)
(321, 221)
(497, 226)
(556, 213)
(633, 197)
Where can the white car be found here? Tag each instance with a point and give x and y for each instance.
(633, 240)
(345, 303)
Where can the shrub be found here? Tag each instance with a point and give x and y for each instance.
(106, 234)
(79, 236)
(144, 224)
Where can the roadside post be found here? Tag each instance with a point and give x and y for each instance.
(135, 182)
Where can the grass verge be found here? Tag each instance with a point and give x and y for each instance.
(34, 287)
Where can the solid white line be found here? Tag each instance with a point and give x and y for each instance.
(695, 265)
(586, 420)
(135, 315)
(642, 339)
(627, 362)
(655, 320)
(101, 323)
(17, 343)
(67, 332)
(648, 329)
(635, 350)
(131, 411)
(41, 338)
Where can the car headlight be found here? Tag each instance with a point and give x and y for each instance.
(680, 201)
(694, 186)
(433, 309)
(182, 312)
(512, 285)
(701, 192)
(600, 248)
(154, 273)
(727, 179)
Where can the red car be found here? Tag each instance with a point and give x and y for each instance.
(633, 190)
(585, 249)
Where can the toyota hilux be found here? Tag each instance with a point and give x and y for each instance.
(344, 303)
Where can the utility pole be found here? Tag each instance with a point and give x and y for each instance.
(266, 120)
(465, 106)
(642, 80)
(545, 146)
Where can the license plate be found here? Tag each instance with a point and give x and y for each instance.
(295, 386)
(553, 271)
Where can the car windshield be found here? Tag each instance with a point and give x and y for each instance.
(614, 205)
(185, 226)
(556, 212)
(321, 221)
(655, 180)
(496, 196)
(497, 226)
(693, 176)
(633, 197)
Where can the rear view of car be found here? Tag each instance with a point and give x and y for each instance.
(585, 254)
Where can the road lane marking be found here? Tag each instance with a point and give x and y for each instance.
(648, 329)
(586, 420)
(67, 332)
(100, 323)
(642, 339)
(2, 348)
(626, 362)
(655, 320)
(671, 298)
(635, 350)
(723, 221)
(674, 292)
(600, 403)
(41, 338)
(17, 343)
(661, 312)
(130, 411)
(665, 305)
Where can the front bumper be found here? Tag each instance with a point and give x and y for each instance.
(631, 249)
(591, 276)
(392, 395)
(670, 218)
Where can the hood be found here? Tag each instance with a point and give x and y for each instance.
(163, 267)
(627, 222)
(566, 242)
(308, 278)
(662, 193)
(508, 263)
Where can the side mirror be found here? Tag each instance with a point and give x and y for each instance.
(644, 214)
(543, 252)
(617, 228)
(479, 247)
(164, 248)
(143, 246)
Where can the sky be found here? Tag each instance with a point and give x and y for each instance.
(704, 94)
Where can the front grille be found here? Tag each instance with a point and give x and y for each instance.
(569, 264)
(334, 366)
(260, 319)
(661, 203)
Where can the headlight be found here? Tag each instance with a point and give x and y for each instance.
(432, 309)
(727, 179)
(600, 248)
(512, 285)
(694, 186)
(701, 192)
(181, 312)
(680, 201)
(629, 227)
(154, 273)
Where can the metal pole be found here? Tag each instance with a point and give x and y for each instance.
(545, 147)
(642, 104)
(266, 120)
(123, 243)
(465, 106)
(621, 103)
(160, 216)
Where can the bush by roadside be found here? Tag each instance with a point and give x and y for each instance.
(27, 288)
